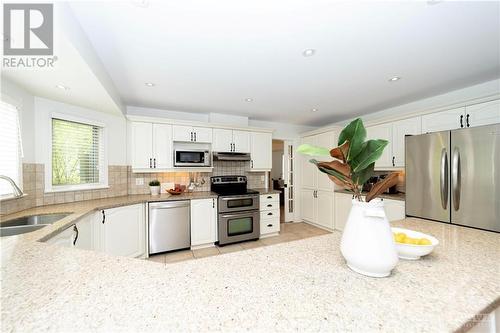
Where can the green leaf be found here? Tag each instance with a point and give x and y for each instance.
(355, 133)
(371, 151)
(311, 150)
(362, 176)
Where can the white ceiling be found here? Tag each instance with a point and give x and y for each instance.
(209, 56)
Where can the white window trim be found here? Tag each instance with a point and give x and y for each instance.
(12, 101)
(103, 174)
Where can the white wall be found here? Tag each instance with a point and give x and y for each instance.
(447, 100)
(115, 127)
(24, 101)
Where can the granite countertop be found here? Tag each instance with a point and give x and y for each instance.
(266, 190)
(400, 196)
(301, 285)
(80, 209)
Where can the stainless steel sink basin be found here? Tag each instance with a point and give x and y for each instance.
(29, 223)
(11, 231)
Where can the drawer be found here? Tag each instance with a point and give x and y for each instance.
(267, 198)
(268, 226)
(269, 205)
(269, 214)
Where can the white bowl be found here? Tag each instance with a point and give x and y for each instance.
(412, 251)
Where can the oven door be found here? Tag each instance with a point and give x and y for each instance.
(238, 203)
(191, 158)
(237, 227)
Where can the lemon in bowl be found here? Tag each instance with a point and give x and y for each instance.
(412, 245)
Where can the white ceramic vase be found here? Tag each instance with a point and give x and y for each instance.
(155, 190)
(367, 242)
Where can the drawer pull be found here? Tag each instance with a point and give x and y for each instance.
(269, 225)
(270, 205)
(269, 214)
(269, 197)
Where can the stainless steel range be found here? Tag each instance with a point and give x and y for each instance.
(238, 209)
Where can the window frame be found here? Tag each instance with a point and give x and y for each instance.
(20, 182)
(103, 160)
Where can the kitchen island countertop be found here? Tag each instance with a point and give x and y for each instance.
(299, 285)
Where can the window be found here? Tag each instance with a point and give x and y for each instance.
(10, 147)
(77, 159)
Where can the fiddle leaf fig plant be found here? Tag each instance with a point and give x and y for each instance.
(353, 160)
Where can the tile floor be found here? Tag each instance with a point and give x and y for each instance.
(289, 232)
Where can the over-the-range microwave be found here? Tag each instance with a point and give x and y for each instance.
(192, 158)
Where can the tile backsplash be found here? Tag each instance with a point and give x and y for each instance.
(221, 168)
(121, 182)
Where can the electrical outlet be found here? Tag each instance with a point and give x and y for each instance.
(139, 181)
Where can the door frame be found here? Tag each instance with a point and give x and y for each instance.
(290, 178)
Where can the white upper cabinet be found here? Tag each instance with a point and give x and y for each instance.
(384, 132)
(162, 146)
(261, 151)
(142, 145)
(309, 170)
(444, 120)
(223, 140)
(241, 141)
(203, 222)
(411, 126)
(202, 134)
(483, 113)
(231, 141)
(326, 140)
(151, 146)
(192, 134)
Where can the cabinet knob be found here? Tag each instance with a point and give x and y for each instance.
(270, 205)
(269, 225)
(269, 197)
(269, 214)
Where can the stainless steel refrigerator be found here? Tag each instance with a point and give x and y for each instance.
(454, 176)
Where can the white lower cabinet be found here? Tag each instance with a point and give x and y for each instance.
(269, 215)
(121, 231)
(317, 207)
(203, 222)
(394, 209)
(64, 238)
(77, 235)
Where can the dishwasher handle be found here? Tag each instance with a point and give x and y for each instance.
(169, 204)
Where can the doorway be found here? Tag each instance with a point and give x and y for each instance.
(282, 177)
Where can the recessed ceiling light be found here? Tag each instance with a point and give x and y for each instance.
(141, 3)
(314, 110)
(149, 84)
(248, 100)
(60, 86)
(434, 2)
(309, 52)
(394, 78)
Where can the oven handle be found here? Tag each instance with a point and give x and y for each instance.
(238, 198)
(224, 216)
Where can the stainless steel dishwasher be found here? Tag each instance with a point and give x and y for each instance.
(169, 226)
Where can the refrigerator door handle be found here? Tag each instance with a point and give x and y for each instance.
(443, 179)
(456, 178)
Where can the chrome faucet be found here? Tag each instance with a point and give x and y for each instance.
(17, 191)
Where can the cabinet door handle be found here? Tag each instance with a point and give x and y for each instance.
(251, 163)
(269, 214)
(270, 205)
(467, 120)
(269, 225)
(194, 136)
(269, 197)
(154, 162)
(191, 136)
(213, 203)
(150, 163)
(75, 229)
(393, 161)
(461, 121)
(103, 217)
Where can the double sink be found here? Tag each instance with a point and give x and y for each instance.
(26, 224)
